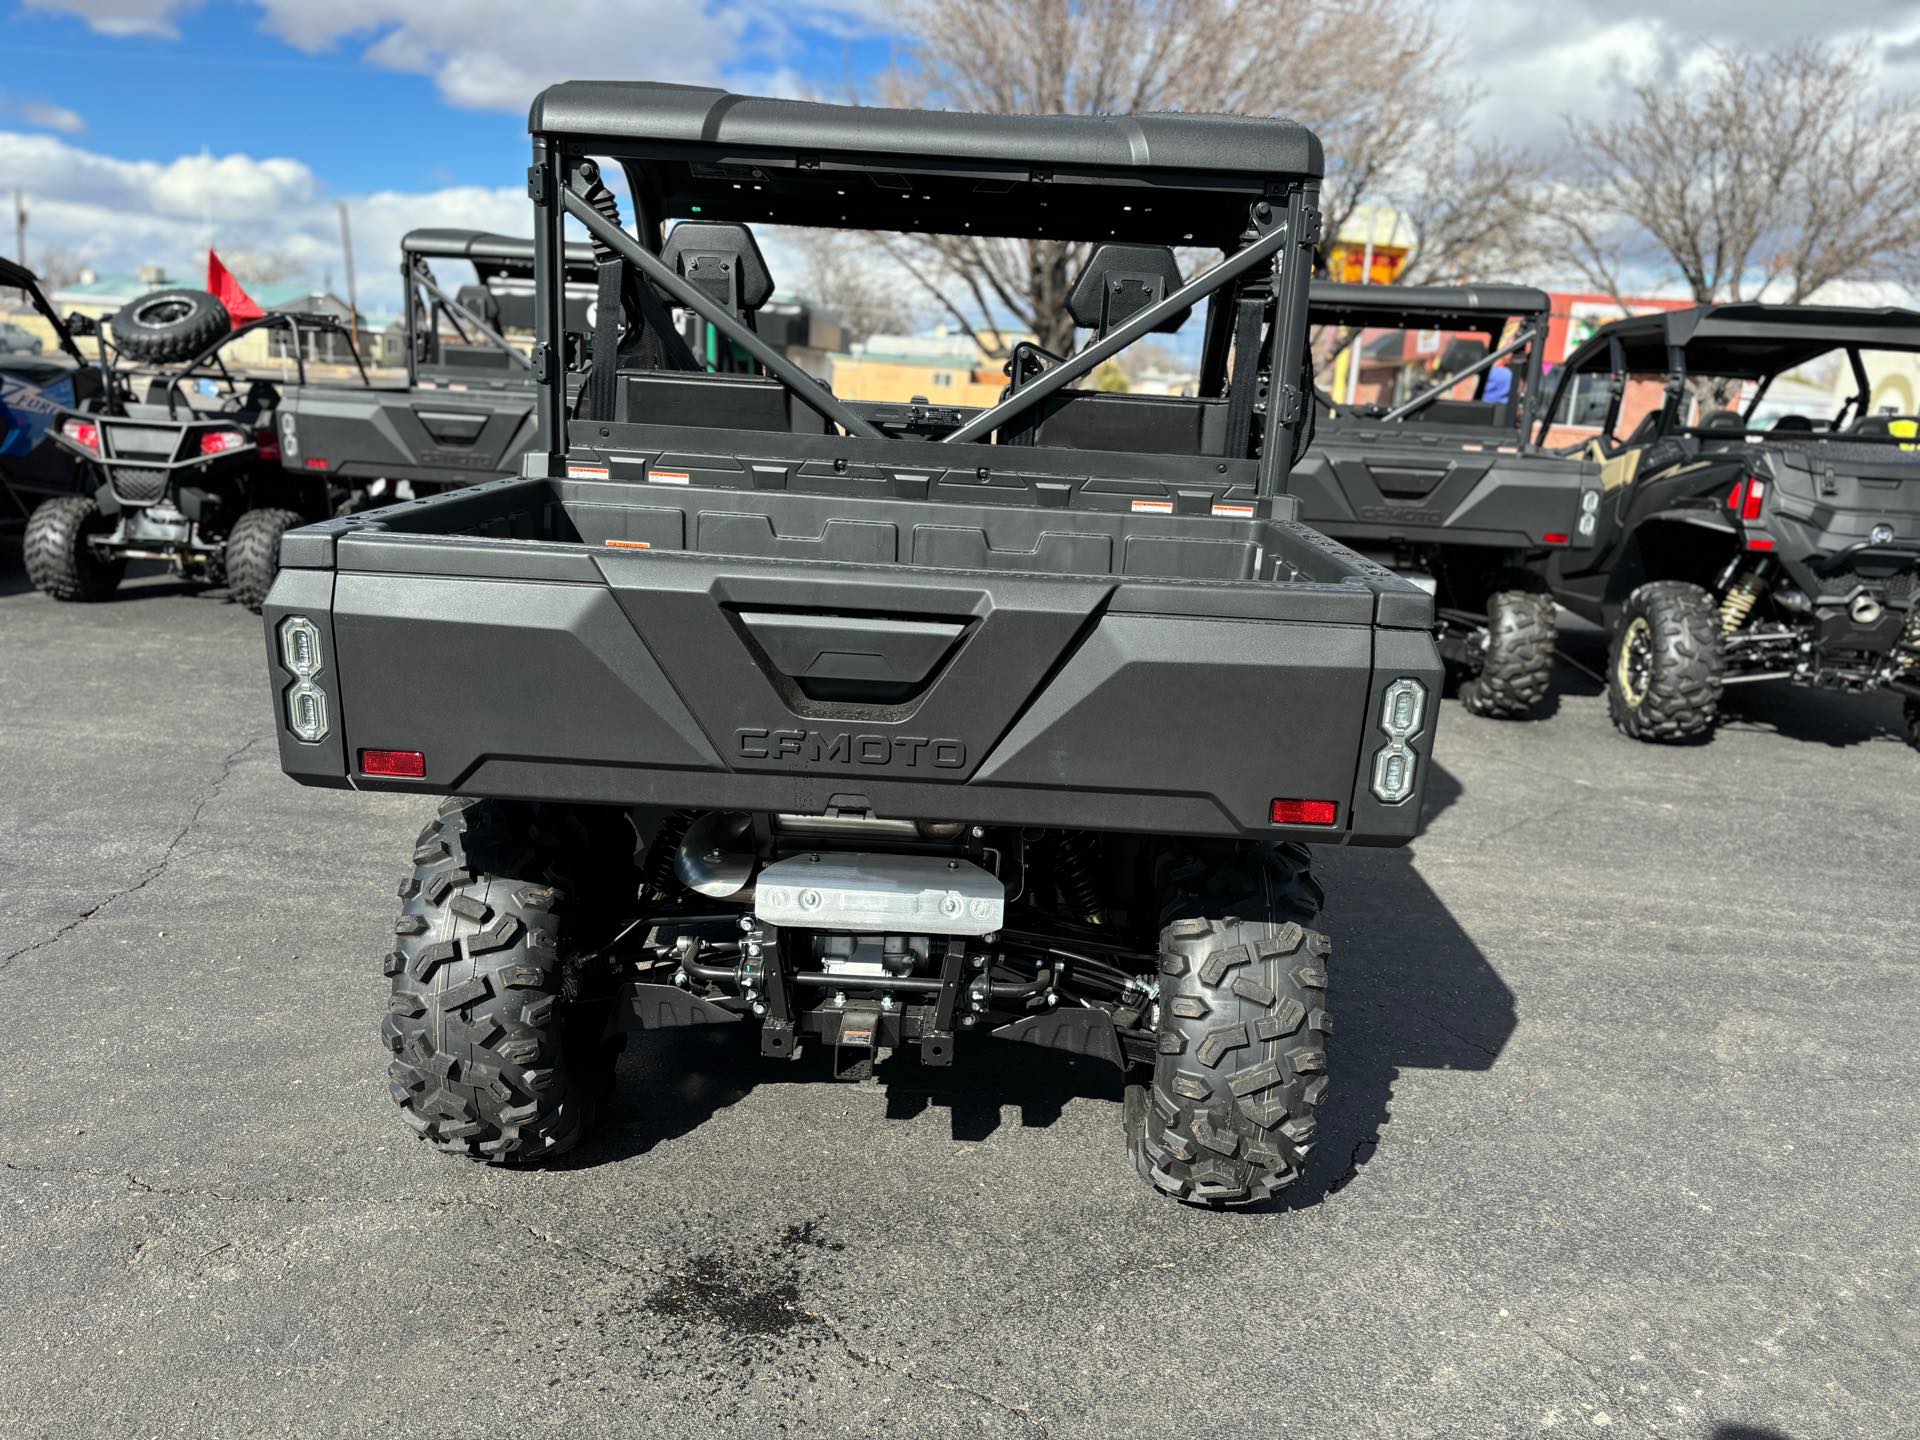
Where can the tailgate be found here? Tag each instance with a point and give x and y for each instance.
(442, 435)
(1461, 493)
(683, 679)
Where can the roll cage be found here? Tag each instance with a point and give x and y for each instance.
(1477, 309)
(1246, 187)
(1742, 341)
(504, 265)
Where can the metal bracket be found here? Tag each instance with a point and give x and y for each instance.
(1309, 228)
(936, 1042)
(537, 184)
(777, 1036)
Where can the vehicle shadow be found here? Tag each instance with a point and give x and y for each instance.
(1830, 717)
(1410, 989)
(13, 571)
(1580, 658)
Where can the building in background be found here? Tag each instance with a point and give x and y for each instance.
(944, 367)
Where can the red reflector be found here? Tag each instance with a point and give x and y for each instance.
(1557, 537)
(267, 443)
(1756, 492)
(219, 442)
(403, 764)
(1759, 542)
(316, 463)
(83, 434)
(1305, 812)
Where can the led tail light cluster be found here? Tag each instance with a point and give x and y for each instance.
(300, 653)
(1402, 710)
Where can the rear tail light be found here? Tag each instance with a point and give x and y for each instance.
(83, 433)
(400, 764)
(267, 443)
(1402, 709)
(221, 442)
(303, 657)
(1306, 812)
(1747, 497)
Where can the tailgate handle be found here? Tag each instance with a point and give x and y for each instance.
(871, 659)
(453, 427)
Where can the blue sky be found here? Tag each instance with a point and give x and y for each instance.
(235, 84)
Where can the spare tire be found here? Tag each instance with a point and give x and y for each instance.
(169, 325)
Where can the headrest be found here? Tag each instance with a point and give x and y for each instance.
(1795, 423)
(1119, 282)
(720, 260)
(1722, 420)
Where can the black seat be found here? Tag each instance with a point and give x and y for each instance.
(721, 261)
(481, 303)
(1119, 282)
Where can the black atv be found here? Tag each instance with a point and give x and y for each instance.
(186, 456)
(878, 727)
(1422, 459)
(206, 470)
(1742, 539)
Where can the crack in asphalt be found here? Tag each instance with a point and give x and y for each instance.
(906, 1372)
(151, 873)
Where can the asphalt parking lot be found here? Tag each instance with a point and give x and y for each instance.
(1622, 1138)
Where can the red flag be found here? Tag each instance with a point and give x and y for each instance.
(222, 285)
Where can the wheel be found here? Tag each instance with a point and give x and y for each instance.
(495, 1021)
(1664, 669)
(60, 562)
(253, 554)
(1515, 659)
(1228, 1115)
(169, 325)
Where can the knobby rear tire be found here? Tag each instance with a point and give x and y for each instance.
(60, 563)
(495, 1026)
(1229, 1114)
(1680, 697)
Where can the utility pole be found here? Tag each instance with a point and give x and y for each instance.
(353, 300)
(19, 225)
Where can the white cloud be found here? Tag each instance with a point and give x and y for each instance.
(1536, 64)
(123, 17)
(498, 54)
(47, 116)
(121, 214)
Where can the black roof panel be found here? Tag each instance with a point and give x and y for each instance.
(1329, 300)
(479, 245)
(645, 110)
(1748, 339)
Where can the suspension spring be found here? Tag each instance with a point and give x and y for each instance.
(657, 873)
(1740, 599)
(1074, 853)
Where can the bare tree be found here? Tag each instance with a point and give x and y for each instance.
(56, 269)
(1370, 77)
(1473, 213)
(1762, 175)
(847, 280)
